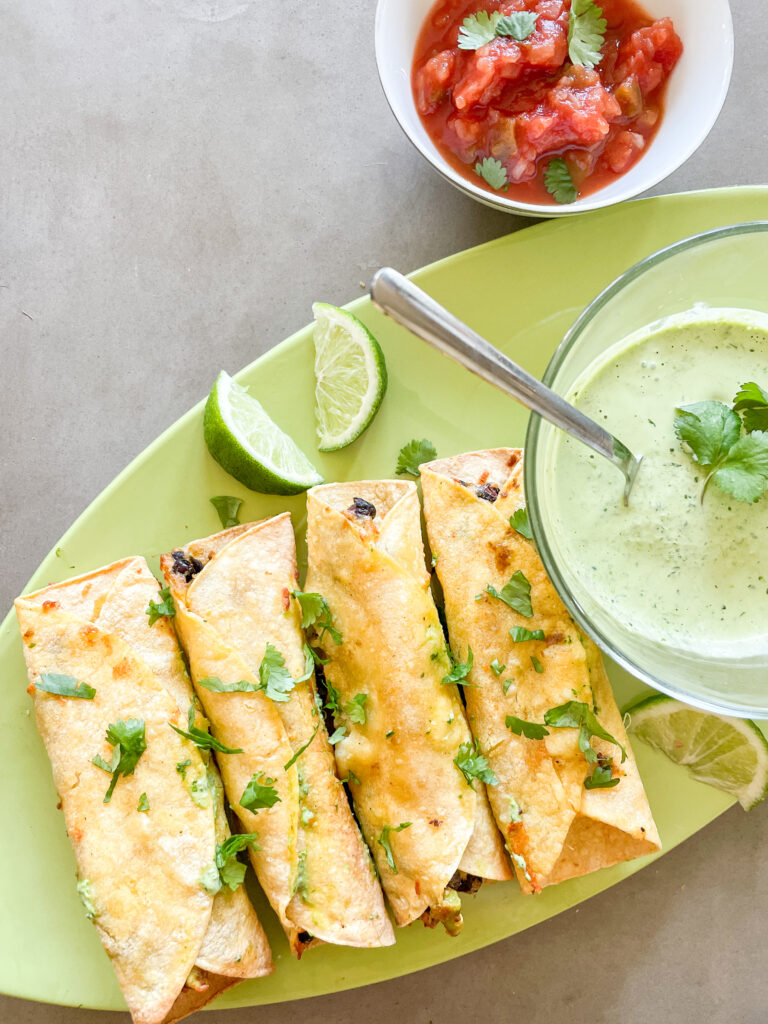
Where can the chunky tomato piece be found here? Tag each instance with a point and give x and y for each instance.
(523, 102)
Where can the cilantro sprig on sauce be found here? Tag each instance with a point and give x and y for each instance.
(586, 33)
(558, 181)
(481, 28)
(712, 432)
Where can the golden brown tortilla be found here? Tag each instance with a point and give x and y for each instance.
(80, 628)
(401, 759)
(313, 865)
(554, 827)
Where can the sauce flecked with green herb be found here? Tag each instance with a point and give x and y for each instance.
(671, 567)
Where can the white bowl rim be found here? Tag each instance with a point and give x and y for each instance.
(592, 202)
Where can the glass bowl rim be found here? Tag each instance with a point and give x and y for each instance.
(570, 339)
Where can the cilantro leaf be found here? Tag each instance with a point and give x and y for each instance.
(537, 666)
(474, 765)
(227, 508)
(383, 840)
(743, 473)
(301, 750)
(64, 686)
(493, 172)
(129, 742)
(258, 794)
(532, 730)
(496, 667)
(355, 709)
(215, 685)
(276, 681)
(201, 737)
(577, 715)
(413, 454)
(332, 698)
(315, 612)
(586, 33)
(182, 766)
(231, 870)
(558, 181)
(520, 634)
(164, 606)
(709, 429)
(337, 735)
(143, 803)
(601, 778)
(519, 25)
(752, 400)
(519, 521)
(459, 671)
(516, 593)
(478, 29)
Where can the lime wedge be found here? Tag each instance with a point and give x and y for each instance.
(350, 375)
(728, 753)
(250, 446)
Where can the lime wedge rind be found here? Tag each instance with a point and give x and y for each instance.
(250, 446)
(350, 376)
(730, 754)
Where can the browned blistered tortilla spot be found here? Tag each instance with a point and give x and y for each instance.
(513, 459)
(437, 822)
(555, 638)
(48, 606)
(483, 477)
(28, 634)
(501, 555)
(89, 633)
(286, 598)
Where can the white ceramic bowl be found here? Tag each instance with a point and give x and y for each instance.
(694, 97)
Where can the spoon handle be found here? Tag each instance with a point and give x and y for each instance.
(402, 300)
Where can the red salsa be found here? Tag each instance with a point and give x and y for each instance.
(510, 107)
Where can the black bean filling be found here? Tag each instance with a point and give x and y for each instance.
(488, 492)
(362, 509)
(462, 882)
(186, 567)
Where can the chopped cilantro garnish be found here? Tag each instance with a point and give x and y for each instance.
(231, 870)
(474, 765)
(586, 33)
(493, 172)
(355, 709)
(315, 612)
(497, 668)
(516, 593)
(601, 778)
(129, 742)
(227, 508)
(165, 606)
(537, 666)
(506, 685)
(519, 521)
(578, 715)
(532, 730)
(64, 686)
(558, 181)
(182, 766)
(337, 735)
(143, 803)
(383, 840)
(215, 685)
(301, 749)
(414, 454)
(258, 794)
(520, 634)
(201, 737)
(459, 670)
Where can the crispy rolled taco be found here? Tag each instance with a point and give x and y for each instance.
(240, 625)
(143, 810)
(569, 799)
(402, 738)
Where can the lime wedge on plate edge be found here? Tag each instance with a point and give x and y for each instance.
(350, 374)
(250, 446)
(728, 753)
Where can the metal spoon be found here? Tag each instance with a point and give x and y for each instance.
(400, 299)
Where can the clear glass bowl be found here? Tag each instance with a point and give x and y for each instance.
(725, 268)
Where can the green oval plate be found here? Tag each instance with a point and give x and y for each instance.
(521, 292)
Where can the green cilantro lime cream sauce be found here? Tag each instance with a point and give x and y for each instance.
(669, 567)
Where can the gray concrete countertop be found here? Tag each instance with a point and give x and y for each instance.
(181, 179)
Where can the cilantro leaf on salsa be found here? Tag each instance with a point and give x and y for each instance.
(478, 29)
(493, 172)
(64, 686)
(164, 606)
(459, 671)
(516, 593)
(586, 33)
(558, 181)
(519, 521)
(129, 742)
(533, 730)
(520, 634)
(752, 401)
(519, 25)
(227, 507)
(474, 765)
(258, 794)
(383, 840)
(201, 737)
(413, 454)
